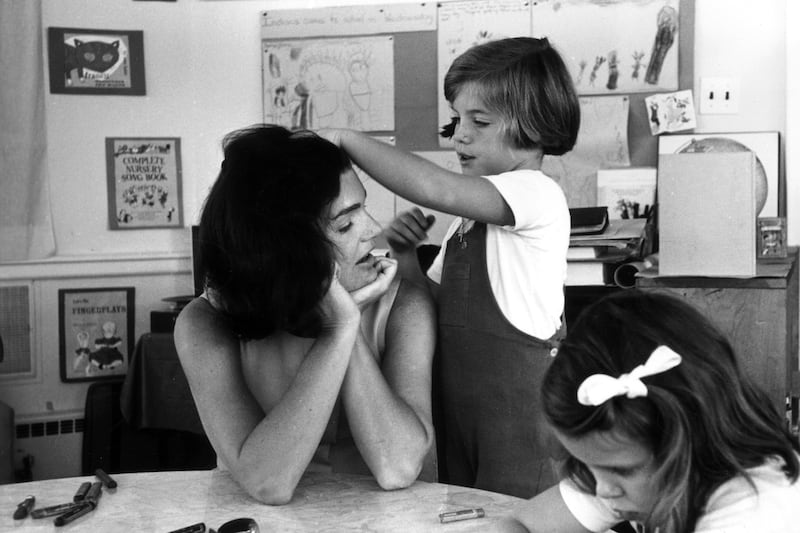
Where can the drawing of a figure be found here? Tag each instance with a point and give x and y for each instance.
(301, 116)
(637, 64)
(581, 72)
(598, 61)
(359, 88)
(654, 115)
(667, 22)
(326, 87)
(613, 70)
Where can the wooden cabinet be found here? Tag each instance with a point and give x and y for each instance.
(758, 314)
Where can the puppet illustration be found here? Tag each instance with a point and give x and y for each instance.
(107, 354)
(82, 353)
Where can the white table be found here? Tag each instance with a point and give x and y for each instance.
(164, 501)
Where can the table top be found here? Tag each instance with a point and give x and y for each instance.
(165, 501)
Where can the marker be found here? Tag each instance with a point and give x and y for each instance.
(466, 514)
(24, 507)
(79, 510)
(199, 527)
(105, 478)
(95, 492)
(81, 492)
(54, 509)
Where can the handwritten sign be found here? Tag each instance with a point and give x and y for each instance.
(395, 18)
(144, 182)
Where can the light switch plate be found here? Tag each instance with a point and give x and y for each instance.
(719, 96)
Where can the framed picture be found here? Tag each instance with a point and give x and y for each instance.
(95, 332)
(144, 182)
(765, 146)
(90, 61)
(772, 237)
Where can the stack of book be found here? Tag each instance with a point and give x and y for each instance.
(593, 257)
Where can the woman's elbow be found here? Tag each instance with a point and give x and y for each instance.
(271, 491)
(399, 475)
(272, 495)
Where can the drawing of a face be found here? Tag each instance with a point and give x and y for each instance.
(358, 70)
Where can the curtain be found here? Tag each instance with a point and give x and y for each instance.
(26, 227)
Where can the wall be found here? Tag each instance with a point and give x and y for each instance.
(203, 71)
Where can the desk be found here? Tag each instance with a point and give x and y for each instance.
(158, 502)
(759, 315)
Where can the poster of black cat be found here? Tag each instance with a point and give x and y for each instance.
(94, 61)
(96, 337)
(144, 182)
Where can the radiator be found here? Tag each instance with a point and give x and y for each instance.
(53, 443)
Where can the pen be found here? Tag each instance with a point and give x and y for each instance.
(466, 514)
(199, 527)
(80, 494)
(54, 509)
(79, 510)
(105, 478)
(24, 507)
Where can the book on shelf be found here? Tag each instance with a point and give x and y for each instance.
(588, 220)
(591, 272)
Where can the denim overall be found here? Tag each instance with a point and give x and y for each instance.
(492, 429)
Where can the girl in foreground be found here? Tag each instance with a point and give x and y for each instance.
(662, 428)
(303, 351)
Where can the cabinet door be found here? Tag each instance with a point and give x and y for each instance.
(755, 322)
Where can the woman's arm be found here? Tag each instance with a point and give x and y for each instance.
(422, 181)
(266, 453)
(389, 405)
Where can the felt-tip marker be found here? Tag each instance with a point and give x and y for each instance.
(79, 510)
(95, 491)
(199, 527)
(80, 494)
(24, 507)
(466, 514)
(54, 510)
(105, 478)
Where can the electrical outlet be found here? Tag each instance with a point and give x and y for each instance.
(719, 96)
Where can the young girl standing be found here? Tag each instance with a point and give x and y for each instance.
(662, 428)
(500, 273)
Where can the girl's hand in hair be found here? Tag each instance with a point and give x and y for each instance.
(387, 268)
(332, 135)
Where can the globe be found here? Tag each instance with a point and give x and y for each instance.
(723, 144)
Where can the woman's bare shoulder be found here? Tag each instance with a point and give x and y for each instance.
(200, 324)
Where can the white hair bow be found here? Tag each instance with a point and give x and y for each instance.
(598, 388)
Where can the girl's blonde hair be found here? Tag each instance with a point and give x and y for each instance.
(526, 82)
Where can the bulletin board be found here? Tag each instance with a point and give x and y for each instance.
(417, 91)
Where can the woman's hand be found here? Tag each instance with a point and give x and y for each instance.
(387, 268)
(338, 308)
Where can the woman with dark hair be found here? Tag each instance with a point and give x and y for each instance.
(304, 351)
(662, 428)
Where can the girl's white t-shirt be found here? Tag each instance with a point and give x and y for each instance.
(526, 262)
